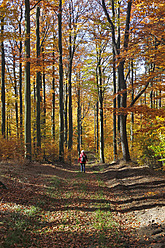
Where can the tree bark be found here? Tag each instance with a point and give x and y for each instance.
(2, 79)
(123, 114)
(20, 80)
(132, 114)
(44, 100)
(61, 104)
(66, 113)
(38, 80)
(70, 94)
(102, 160)
(53, 99)
(114, 109)
(28, 154)
(97, 127)
(16, 95)
(78, 120)
(121, 78)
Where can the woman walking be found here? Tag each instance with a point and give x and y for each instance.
(82, 159)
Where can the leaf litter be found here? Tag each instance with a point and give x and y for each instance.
(57, 206)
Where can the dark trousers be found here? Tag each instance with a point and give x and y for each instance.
(82, 167)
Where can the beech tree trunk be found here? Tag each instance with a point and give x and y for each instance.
(78, 120)
(66, 114)
(114, 109)
(44, 102)
(97, 127)
(20, 80)
(16, 96)
(70, 88)
(53, 99)
(2, 79)
(34, 115)
(28, 154)
(123, 115)
(61, 104)
(102, 160)
(121, 78)
(132, 114)
(38, 79)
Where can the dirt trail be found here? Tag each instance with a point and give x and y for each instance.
(139, 197)
(136, 195)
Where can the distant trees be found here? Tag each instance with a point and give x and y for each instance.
(71, 75)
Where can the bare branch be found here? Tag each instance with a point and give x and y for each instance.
(139, 95)
(35, 5)
(112, 26)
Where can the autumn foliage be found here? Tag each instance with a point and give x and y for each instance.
(88, 78)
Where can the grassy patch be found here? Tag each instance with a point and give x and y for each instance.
(19, 227)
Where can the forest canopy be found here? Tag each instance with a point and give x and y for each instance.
(82, 75)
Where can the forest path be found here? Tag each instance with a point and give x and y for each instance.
(111, 205)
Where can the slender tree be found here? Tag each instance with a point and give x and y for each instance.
(38, 78)
(114, 89)
(15, 91)
(2, 77)
(100, 95)
(28, 154)
(20, 77)
(61, 104)
(66, 110)
(53, 98)
(78, 117)
(70, 84)
(114, 109)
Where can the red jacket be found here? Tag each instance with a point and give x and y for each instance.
(79, 160)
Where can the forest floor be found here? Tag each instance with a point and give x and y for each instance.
(111, 205)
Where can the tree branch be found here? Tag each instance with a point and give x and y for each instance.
(35, 4)
(112, 26)
(126, 36)
(140, 93)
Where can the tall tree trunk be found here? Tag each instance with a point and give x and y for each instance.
(53, 97)
(70, 100)
(118, 78)
(2, 78)
(38, 79)
(94, 110)
(114, 86)
(114, 109)
(122, 81)
(16, 95)
(20, 80)
(61, 104)
(116, 120)
(132, 114)
(160, 98)
(28, 154)
(123, 115)
(101, 117)
(78, 120)
(66, 113)
(34, 115)
(44, 100)
(97, 114)
(97, 127)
